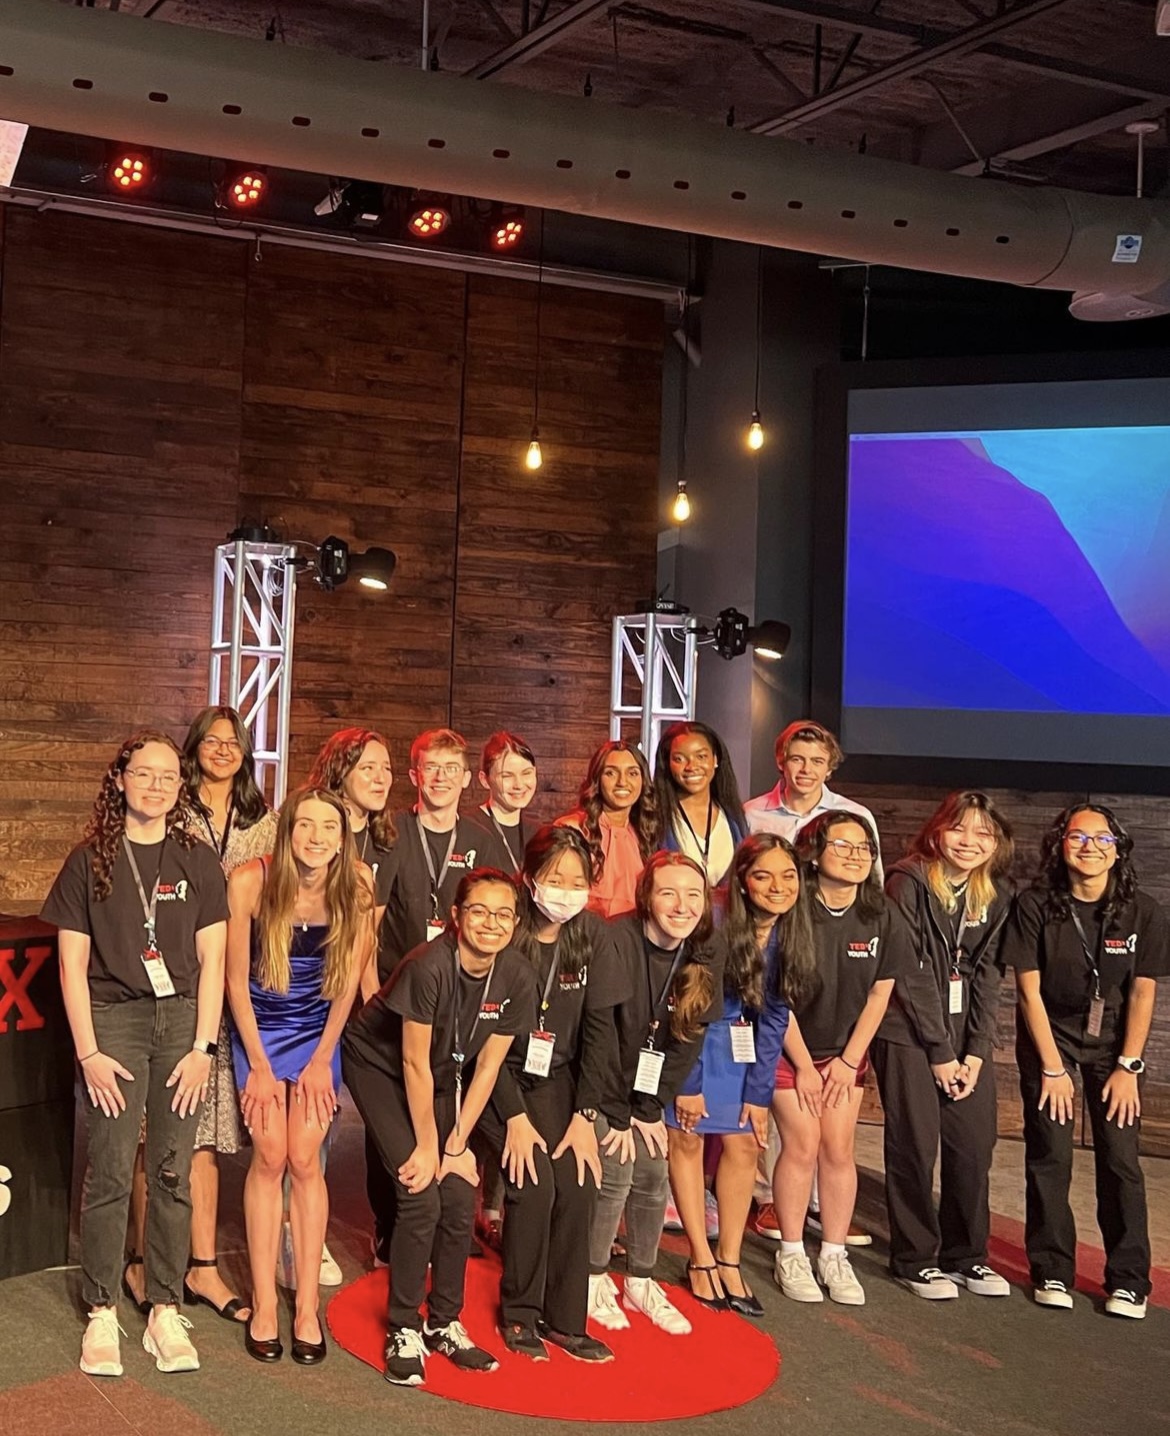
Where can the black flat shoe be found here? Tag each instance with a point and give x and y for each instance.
(715, 1303)
(308, 1353)
(268, 1351)
(143, 1305)
(747, 1305)
(231, 1308)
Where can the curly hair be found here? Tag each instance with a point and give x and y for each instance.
(1053, 871)
(813, 839)
(744, 974)
(338, 757)
(644, 816)
(694, 985)
(724, 788)
(574, 949)
(248, 802)
(107, 823)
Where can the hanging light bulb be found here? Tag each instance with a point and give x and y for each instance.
(755, 433)
(681, 508)
(533, 458)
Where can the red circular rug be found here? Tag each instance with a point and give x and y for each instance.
(725, 1362)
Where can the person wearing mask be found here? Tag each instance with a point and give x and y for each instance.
(1088, 947)
(729, 1090)
(674, 963)
(546, 1100)
(141, 909)
(932, 1047)
(861, 945)
(618, 818)
(300, 932)
(702, 814)
(421, 1061)
(507, 771)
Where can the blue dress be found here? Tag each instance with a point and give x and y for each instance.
(291, 1022)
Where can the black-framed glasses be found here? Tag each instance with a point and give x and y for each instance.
(1077, 839)
(846, 849)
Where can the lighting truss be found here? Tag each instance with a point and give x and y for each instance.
(653, 674)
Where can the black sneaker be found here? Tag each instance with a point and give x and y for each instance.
(405, 1356)
(453, 1342)
(582, 1348)
(523, 1341)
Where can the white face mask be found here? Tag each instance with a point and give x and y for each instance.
(559, 904)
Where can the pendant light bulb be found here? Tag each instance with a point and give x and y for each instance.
(755, 433)
(681, 508)
(533, 458)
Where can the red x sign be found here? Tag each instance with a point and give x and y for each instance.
(14, 991)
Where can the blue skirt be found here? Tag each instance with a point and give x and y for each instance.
(290, 1024)
(723, 1084)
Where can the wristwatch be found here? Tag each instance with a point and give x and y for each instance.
(1132, 1064)
(211, 1048)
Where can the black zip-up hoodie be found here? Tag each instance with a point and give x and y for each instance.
(917, 1014)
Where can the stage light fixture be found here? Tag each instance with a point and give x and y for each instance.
(429, 217)
(374, 569)
(734, 635)
(770, 639)
(332, 563)
(129, 170)
(506, 230)
(243, 187)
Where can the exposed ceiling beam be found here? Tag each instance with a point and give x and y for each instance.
(1060, 139)
(1077, 74)
(538, 39)
(960, 43)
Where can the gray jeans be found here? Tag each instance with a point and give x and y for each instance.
(148, 1036)
(641, 1189)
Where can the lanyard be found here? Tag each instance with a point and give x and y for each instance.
(959, 934)
(705, 846)
(656, 1007)
(436, 878)
(458, 1055)
(1093, 961)
(148, 908)
(220, 844)
(499, 827)
(548, 982)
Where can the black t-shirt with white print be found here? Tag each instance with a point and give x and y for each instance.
(852, 954)
(380, 862)
(192, 895)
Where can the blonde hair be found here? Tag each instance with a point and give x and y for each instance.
(981, 890)
(347, 899)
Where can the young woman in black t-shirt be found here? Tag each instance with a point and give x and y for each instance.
(1088, 947)
(507, 770)
(141, 909)
(860, 945)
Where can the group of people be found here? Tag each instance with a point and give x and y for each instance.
(553, 1031)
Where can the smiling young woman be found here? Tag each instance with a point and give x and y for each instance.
(702, 814)
(618, 817)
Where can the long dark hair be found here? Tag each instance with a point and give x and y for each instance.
(694, 985)
(248, 802)
(338, 757)
(814, 838)
(724, 788)
(980, 893)
(573, 946)
(796, 968)
(1053, 871)
(645, 818)
(107, 823)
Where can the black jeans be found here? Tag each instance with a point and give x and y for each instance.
(148, 1036)
(1049, 1231)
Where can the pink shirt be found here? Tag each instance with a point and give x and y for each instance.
(613, 892)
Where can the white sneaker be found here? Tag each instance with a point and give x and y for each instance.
(794, 1277)
(1053, 1293)
(931, 1284)
(330, 1271)
(711, 1214)
(166, 1339)
(836, 1271)
(642, 1293)
(286, 1266)
(1125, 1303)
(101, 1351)
(603, 1303)
(982, 1281)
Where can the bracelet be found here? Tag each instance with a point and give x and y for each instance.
(454, 1155)
(81, 1061)
(1052, 1076)
(852, 1067)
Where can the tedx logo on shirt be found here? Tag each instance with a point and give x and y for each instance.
(493, 1011)
(1120, 946)
(173, 892)
(864, 949)
(463, 860)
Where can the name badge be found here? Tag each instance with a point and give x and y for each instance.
(538, 1062)
(649, 1072)
(1096, 1017)
(955, 995)
(435, 929)
(743, 1042)
(156, 970)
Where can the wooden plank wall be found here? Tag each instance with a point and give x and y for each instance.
(157, 388)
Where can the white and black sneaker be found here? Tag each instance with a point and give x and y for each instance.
(406, 1356)
(453, 1342)
(1053, 1293)
(1125, 1303)
(981, 1281)
(930, 1284)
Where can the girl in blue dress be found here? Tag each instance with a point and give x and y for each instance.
(729, 1090)
(301, 927)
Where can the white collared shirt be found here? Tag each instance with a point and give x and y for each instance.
(769, 813)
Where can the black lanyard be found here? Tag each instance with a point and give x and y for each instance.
(1093, 961)
(499, 827)
(436, 878)
(656, 1007)
(219, 844)
(705, 846)
(148, 907)
(458, 1054)
(548, 982)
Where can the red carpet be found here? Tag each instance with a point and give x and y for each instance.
(652, 1378)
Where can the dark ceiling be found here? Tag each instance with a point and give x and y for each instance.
(1036, 90)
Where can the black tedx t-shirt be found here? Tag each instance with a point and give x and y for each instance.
(852, 954)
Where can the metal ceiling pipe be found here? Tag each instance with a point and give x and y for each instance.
(117, 76)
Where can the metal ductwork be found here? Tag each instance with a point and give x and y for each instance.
(116, 76)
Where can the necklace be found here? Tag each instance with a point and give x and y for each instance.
(834, 911)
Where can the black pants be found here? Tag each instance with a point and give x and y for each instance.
(1049, 1231)
(432, 1227)
(380, 1193)
(919, 1119)
(546, 1225)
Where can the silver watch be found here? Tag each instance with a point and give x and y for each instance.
(1132, 1064)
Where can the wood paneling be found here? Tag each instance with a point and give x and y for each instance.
(156, 389)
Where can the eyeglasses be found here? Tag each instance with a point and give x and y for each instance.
(844, 849)
(448, 770)
(505, 916)
(168, 782)
(1077, 839)
(224, 745)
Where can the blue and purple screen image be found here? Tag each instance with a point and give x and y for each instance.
(1008, 590)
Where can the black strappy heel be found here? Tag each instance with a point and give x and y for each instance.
(747, 1305)
(716, 1303)
(133, 1259)
(230, 1310)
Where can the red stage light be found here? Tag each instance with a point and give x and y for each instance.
(507, 234)
(429, 219)
(129, 171)
(247, 189)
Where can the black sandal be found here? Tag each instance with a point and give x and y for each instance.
(716, 1303)
(230, 1310)
(746, 1305)
(141, 1303)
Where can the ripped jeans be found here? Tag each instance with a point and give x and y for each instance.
(148, 1036)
